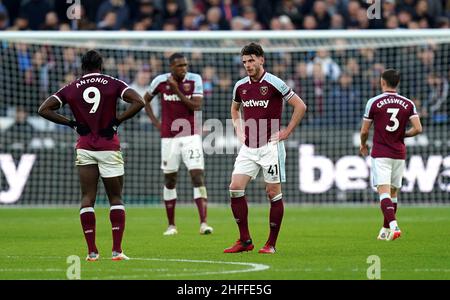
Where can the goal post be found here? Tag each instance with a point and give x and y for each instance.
(334, 72)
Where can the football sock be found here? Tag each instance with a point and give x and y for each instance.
(170, 199)
(240, 213)
(117, 217)
(394, 202)
(202, 208)
(275, 218)
(200, 198)
(170, 210)
(385, 223)
(387, 207)
(87, 218)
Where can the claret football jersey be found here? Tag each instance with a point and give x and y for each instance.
(262, 105)
(93, 101)
(175, 115)
(390, 113)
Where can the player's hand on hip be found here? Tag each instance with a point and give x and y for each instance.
(279, 136)
(364, 150)
(80, 128)
(111, 130)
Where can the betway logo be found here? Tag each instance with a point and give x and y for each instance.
(256, 103)
(173, 97)
(318, 173)
(16, 176)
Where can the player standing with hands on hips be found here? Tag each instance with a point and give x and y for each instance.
(390, 114)
(181, 94)
(93, 101)
(261, 96)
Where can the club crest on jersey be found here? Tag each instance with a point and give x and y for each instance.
(186, 87)
(263, 90)
(244, 92)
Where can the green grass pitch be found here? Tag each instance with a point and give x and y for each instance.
(316, 242)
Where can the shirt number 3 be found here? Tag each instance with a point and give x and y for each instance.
(393, 112)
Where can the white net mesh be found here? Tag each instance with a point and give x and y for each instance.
(335, 73)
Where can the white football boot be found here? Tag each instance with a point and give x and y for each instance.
(171, 230)
(205, 229)
(383, 234)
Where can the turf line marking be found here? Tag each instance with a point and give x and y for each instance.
(253, 266)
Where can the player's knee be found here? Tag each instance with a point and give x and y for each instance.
(235, 186)
(197, 180)
(170, 182)
(272, 193)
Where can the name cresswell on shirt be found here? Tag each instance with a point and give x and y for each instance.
(255, 103)
(392, 100)
(173, 97)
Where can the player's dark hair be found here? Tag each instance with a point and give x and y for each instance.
(392, 77)
(251, 49)
(92, 61)
(174, 56)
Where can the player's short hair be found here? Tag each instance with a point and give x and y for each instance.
(91, 61)
(176, 55)
(252, 48)
(392, 77)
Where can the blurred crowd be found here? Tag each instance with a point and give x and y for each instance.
(335, 84)
(221, 14)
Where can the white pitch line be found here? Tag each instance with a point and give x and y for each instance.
(254, 267)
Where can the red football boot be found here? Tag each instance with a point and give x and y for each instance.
(240, 246)
(267, 249)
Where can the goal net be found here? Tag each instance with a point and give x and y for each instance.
(334, 72)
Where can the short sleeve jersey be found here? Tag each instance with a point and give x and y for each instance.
(93, 101)
(390, 113)
(262, 106)
(175, 115)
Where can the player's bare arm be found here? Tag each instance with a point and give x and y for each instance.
(194, 103)
(48, 110)
(364, 135)
(149, 110)
(297, 115)
(136, 101)
(416, 127)
(236, 117)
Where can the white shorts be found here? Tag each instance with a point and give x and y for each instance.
(188, 149)
(270, 157)
(110, 163)
(387, 171)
